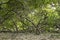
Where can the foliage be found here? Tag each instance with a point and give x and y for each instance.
(30, 15)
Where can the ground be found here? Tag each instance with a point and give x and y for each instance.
(29, 36)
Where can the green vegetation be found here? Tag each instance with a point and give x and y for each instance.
(30, 15)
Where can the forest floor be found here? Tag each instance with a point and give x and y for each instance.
(29, 36)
